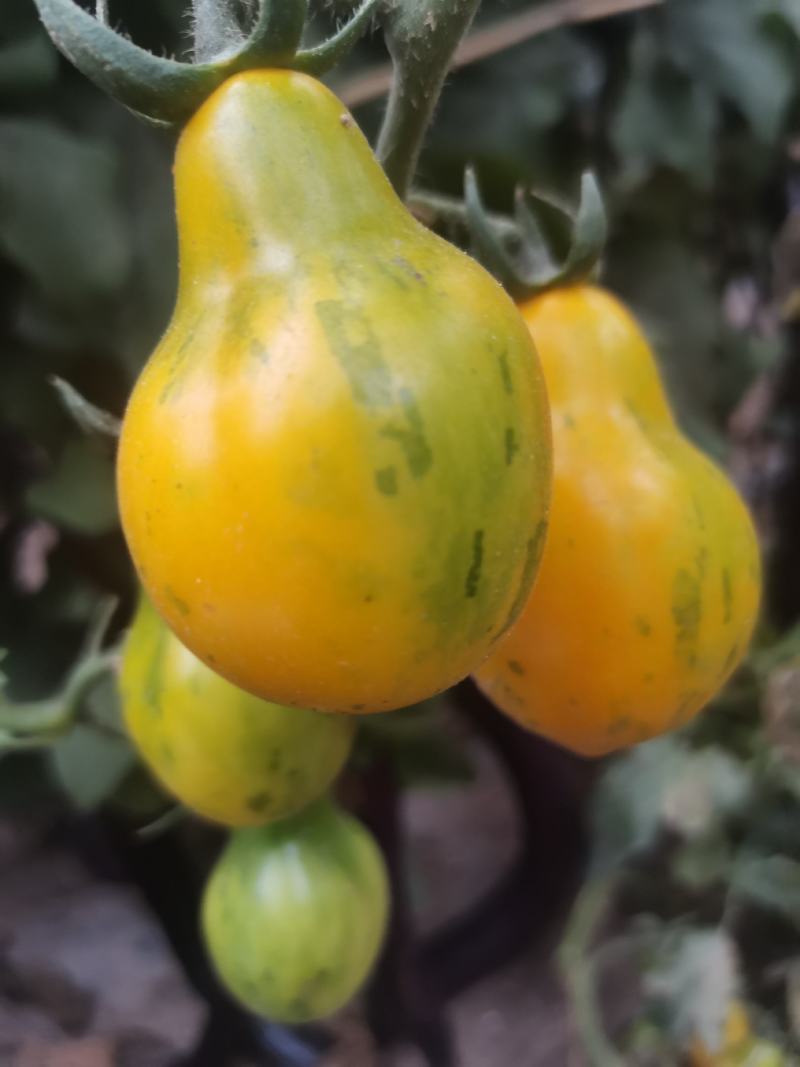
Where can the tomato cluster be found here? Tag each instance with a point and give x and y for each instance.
(338, 480)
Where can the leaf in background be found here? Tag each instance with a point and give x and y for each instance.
(27, 65)
(702, 861)
(539, 81)
(720, 44)
(59, 217)
(788, 10)
(710, 786)
(79, 494)
(663, 118)
(628, 802)
(671, 291)
(664, 784)
(694, 978)
(421, 748)
(92, 763)
(90, 766)
(770, 882)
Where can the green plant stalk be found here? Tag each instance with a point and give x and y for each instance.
(422, 36)
(41, 722)
(577, 969)
(216, 30)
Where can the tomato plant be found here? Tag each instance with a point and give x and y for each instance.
(224, 753)
(294, 913)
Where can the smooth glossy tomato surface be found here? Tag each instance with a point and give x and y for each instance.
(225, 753)
(649, 584)
(294, 913)
(335, 467)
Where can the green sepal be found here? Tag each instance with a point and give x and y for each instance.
(89, 417)
(526, 265)
(153, 86)
(168, 92)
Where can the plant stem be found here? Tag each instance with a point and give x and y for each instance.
(574, 957)
(216, 29)
(500, 35)
(422, 36)
(43, 721)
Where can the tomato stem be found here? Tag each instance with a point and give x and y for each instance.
(168, 92)
(39, 723)
(216, 29)
(577, 968)
(422, 36)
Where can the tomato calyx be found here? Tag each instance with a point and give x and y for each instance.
(550, 243)
(167, 91)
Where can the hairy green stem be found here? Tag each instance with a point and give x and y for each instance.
(422, 36)
(215, 28)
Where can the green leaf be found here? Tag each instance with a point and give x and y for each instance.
(664, 784)
(79, 494)
(788, 10)
(664, 118)
(710, 786)
(703, 861)
(60, 221)
(90, 766)
(770, 882)
(94, 760)
(721, 44)
(693, 978)
(27, 65)
(628, 802)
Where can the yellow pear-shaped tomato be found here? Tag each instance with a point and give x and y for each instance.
(649, 583)
(294, 914)
(225, 753)
(331, 466)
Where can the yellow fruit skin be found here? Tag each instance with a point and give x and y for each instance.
(649, 584)
(230, 756)
(332, 470)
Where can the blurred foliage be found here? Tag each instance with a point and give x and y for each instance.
(688, 112)
(696, 871)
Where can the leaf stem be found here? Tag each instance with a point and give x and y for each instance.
(40, 722)
(498, 36)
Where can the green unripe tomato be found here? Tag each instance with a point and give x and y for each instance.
(294, 913)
